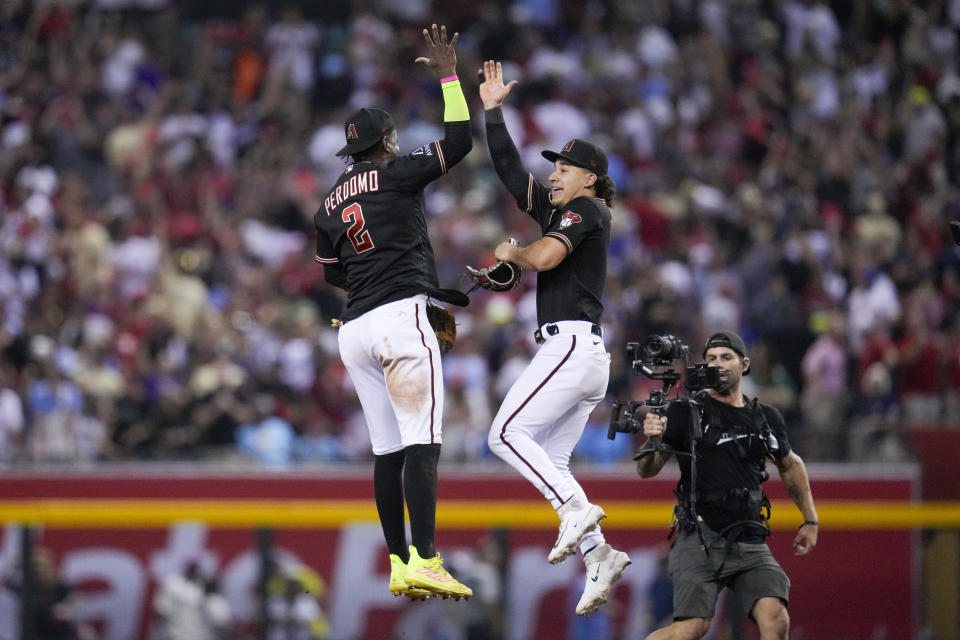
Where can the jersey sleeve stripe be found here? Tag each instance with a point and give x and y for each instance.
(529, 192)
(326, 260)
(443, 161)
(562, 238)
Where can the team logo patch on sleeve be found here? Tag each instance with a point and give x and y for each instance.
(425, 150)
(568, 218)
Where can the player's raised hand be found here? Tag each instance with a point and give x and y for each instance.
(442, 56)
(492, 90)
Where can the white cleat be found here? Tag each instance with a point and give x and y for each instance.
(573, 526)
(605, 565)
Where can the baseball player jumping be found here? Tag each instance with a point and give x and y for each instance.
(544, 413)
(372, 241)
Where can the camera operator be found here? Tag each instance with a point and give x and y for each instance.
(721, 524)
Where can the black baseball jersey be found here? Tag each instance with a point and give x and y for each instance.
(732, 453)
(573, 290)
(371, 224)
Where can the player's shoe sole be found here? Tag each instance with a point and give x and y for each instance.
(397, 585)
(573, 527)
(428, 574)
(601, 576)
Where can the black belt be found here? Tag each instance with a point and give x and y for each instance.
(553, 330)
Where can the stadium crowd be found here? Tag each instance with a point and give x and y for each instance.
(785, 169)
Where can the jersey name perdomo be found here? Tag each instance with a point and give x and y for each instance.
(365, 182)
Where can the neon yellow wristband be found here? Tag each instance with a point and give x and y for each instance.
(454, 104)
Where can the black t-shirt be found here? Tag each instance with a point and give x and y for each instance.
(372, 223)
(572, 290)
(730, 455)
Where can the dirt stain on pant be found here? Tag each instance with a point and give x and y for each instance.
(408, 383)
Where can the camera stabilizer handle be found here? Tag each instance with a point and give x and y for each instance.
(655, 443)
(628, 418)
(658, 403)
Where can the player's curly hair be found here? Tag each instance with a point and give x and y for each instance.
(606, 189)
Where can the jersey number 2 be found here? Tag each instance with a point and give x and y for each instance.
(359, 237)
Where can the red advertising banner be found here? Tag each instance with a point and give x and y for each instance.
(871, 571)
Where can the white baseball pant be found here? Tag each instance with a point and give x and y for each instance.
(544, 413)
(393, 359)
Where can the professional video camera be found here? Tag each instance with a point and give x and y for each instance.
(656, 359)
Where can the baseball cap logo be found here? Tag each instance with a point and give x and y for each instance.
(568, 146)
(352, 132)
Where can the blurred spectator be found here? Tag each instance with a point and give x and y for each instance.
(920, 353)
(878, 233)
(11, 417)
(824, 397)
(873, 301)
(294, 604)
(190, 607)
(482, 615)
(54, 602)
(770, 380)
(219, 615)
(924, 126)
(291, 42)
(268, 438)
(812, 30)
(875, 429)
(878, 347)
(55, 404)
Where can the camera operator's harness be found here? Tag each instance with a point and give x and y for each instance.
(751, 502)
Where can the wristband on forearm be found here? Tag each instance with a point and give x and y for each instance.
(812, 523)
(454, 104)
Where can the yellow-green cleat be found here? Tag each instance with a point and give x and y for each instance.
(397, 585)
(430, 575)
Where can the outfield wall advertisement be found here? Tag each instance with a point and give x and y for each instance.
(117, 535)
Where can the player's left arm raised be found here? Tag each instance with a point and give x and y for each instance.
(442, 60)
(793, 473)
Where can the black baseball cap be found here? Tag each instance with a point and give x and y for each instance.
(365, 128)
(581, 153)
(727, 339)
